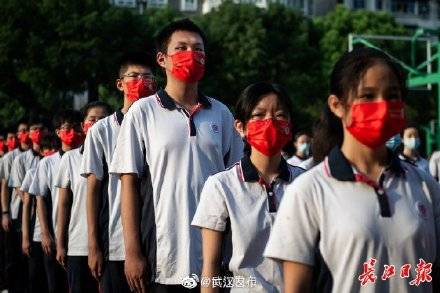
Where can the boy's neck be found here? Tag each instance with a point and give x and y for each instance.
(183, 93)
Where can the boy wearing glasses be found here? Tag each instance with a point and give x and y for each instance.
(106, 253)
(68, 129)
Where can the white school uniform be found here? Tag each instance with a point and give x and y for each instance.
(25, 187)
(99, 146)
(69, 177)
(332, 218)
(179, 150)
(240, 198)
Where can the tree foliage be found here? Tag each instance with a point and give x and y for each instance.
(51, 49)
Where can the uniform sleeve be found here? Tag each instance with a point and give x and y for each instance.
(17, 172)
(93, 155)
(212, 212)
(27, 181)
(434, 198)
(129, 152)
(294, 236)
(433, 166)
(233, 143)
(2, 173)
(7, 166)
(63, 178)
(40, 184)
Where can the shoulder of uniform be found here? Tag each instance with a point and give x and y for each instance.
(226, 174)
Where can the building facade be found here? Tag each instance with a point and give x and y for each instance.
(411, 13)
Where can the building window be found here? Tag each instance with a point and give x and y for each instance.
(379, 4)
(358, 4)
(189, 5)
(420, 7)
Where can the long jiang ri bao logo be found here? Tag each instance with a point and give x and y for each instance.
(190, 282)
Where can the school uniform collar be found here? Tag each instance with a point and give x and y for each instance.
(34, 153)
(81, 149)
(61, 152)
(119, 116)
(250, 172)
(341, 169)
(407, 159)
(167, 102)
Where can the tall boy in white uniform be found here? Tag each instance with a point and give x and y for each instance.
(180, 137)
(106, 248)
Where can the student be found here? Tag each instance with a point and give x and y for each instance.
(22, 162)
(106, 247)
(9, 198)
(68, 129)
(434, 165)
(411, 143)
(247, 195)
(30, 227)
(181, 137)
(302, 143)
(71, 233)
(361, 208)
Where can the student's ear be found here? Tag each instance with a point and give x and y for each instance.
(57, 132)
(239, 127)
(119, 85)
(336, 106)
(160, 58)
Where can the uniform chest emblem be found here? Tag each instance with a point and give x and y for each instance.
(215, 128)
(421, 210)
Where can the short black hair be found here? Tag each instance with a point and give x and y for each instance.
(164, 35)
(37, 119)
(300, 133)
(253, 94)
(50, 141)
(135, 58)
(69, 116)
(95, 104)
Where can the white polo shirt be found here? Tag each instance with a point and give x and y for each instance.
(99, 146)
(181, 151)
(2, 172)
(69, 177)
(44, 185)
(6, 166)
(420, 162)
(22, 162)
(434, 165)
(35, 222)
(332, 214)
(239, 197)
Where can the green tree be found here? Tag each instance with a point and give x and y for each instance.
(248, 44)
(339, 23)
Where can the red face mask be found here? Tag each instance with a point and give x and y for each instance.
(23, 137)
(373, 123)
(48, 152)
(71, 137)
(2, 145)
(268, 136)
(139, 88)
(87, 125)
(35, 136)
(188, 66)
(12, 143)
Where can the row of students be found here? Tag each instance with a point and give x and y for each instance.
(171, 164)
